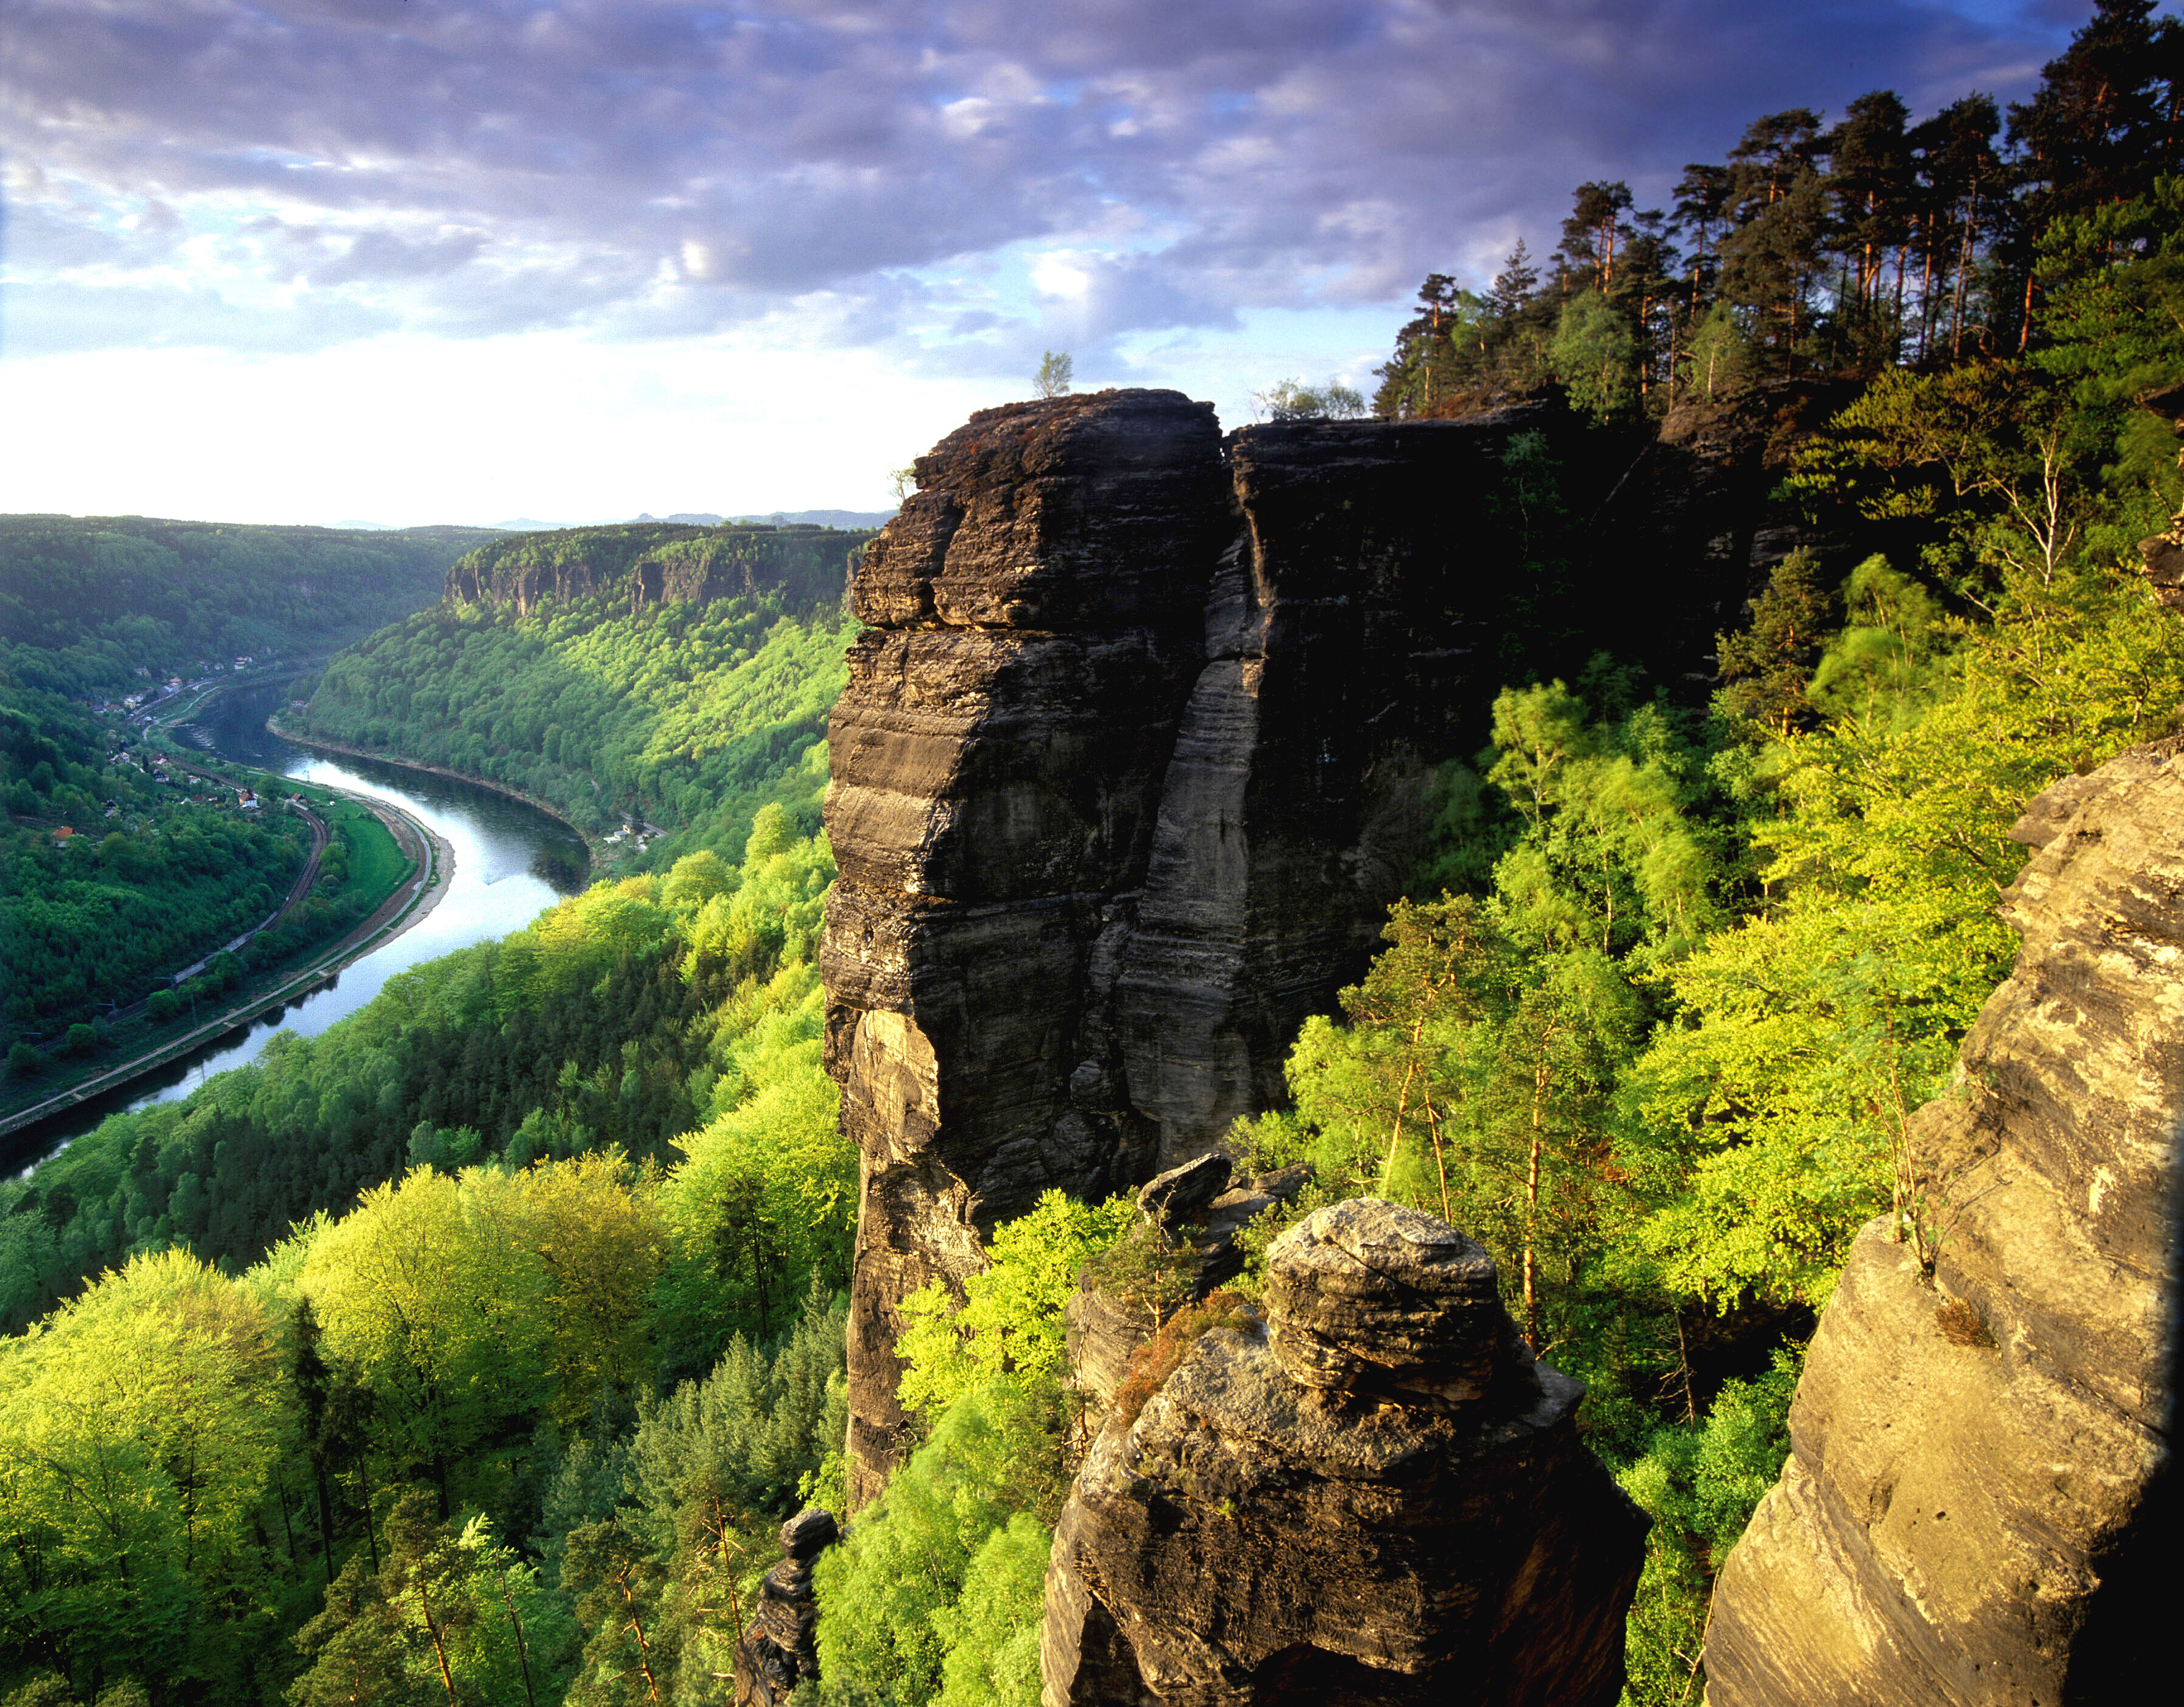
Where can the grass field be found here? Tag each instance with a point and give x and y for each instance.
(376, 866)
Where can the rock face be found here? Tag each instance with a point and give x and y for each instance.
(1373, 1495)
(1127, 772)
(654, 563)
(778, 1649)
(1199, 1213)
(1979, 1505)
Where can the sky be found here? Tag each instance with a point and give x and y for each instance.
(414, 261)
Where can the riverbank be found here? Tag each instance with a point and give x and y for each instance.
(595, 850)
(409, 905)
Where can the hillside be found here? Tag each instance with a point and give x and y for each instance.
(99, 605)
(655, 675)
(1368, 1001)
(118, 873)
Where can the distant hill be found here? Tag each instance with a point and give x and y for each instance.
(852, 521)
(859, 519)
(98, 604)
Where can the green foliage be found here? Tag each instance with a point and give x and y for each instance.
(1699, 1482)
(1056, 371)
(1718, 359)
(1594, 354)
(991, 1631)
(1009, 1320)
(743, 1441)
(1290, 400)
(686, 685)
(1765, 665)
(450, 1615)
(137, 1425)
(895, 1608)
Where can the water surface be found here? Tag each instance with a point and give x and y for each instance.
(511, 862)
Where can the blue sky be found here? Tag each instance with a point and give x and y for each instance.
(461, 260)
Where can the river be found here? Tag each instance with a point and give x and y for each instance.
(510, 863)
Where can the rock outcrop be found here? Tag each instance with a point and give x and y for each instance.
(1197, 1214)
(1979, 1505)
(641, 564)
(777, 1650)
(1128, 771)
(2164, 552)
(1372, 1494)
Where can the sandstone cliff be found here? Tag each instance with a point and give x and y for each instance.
(1371, 1494)
(1129, 771)
(1978, 1499)
(654, 563)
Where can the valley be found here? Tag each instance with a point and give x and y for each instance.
(1518, 1048)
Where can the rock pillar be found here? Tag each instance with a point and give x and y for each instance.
(779, 1649)
(1373, 1494)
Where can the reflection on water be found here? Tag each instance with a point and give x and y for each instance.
(510, 863)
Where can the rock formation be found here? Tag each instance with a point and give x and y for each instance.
(1978, 1506)
(1372, 1494)
(778, 1649)
(1128, 771)
(638, 564)
(2164, 552)
(1198, 1215)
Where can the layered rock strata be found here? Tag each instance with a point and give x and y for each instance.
(779, 1649)
(1979, 1505)
(1373, 1494)
(1130, 768)
(643, 563)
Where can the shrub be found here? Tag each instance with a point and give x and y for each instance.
(1161, 1356)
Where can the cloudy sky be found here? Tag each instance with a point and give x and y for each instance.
(466, 260)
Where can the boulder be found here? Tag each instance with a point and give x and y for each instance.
(1105, 1328)
(1376, 1533)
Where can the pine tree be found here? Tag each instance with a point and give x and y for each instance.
(1764, 667)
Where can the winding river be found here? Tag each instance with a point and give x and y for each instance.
(510, 862)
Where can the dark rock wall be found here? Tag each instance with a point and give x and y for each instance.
(1128, 772)
(997, 760)
(654, 563)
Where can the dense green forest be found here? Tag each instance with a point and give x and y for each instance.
(146, 883)
(118, 872)
(1818, 247)
(100, 604)
(665, 674)
(509, 1314)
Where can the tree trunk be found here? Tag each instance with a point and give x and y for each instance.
(1540, 1080)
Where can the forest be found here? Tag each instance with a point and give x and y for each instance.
(676, 672)
(1873, 242)
(511, 1308)
(98, 605)
(118, 873)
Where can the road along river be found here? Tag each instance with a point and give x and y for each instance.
(509, 862)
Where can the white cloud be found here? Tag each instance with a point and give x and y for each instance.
(890, 205)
